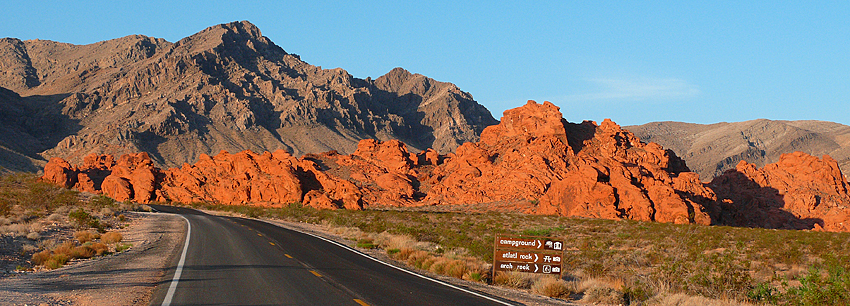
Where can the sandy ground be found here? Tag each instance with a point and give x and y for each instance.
(126, 278)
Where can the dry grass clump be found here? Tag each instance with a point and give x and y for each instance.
(56, 217)
(603, 295)
(85, 236)
(107, 212)
(681, 299)
(59, 256)
(553, 287)
(111, 237)
(514, 279)
(17, 229)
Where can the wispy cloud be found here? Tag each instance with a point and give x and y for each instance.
(638, 89)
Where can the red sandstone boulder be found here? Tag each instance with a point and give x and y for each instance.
(117, 188)
(799, 191)
(59, 172)
(133, 177)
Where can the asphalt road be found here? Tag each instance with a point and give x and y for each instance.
(237, 261)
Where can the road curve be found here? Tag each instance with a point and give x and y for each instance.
(238, 261)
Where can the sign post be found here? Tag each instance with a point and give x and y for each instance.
(530, 254)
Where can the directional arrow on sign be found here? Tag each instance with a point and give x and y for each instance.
(536, 258)
(535, 268)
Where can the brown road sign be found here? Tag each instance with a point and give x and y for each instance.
(527, 267)
(530, 243)
(529, 257)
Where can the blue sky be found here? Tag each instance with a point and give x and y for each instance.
(633, 62)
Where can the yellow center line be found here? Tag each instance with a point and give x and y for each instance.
(361, 302)
(287, 255)
(272, 243)
(258, 234)
(315, 273)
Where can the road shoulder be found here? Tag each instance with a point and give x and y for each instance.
(126, 278)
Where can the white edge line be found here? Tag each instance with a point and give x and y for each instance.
(394, 267)
(179, 271)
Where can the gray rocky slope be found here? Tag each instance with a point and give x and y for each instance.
(710, 149)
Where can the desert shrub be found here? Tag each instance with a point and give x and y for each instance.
(28, 248)
(65, 248)
(56, 261)
(102, 201)
(82, 219)
(17, 228)
(417, 258)
(404, 253)
(123, 247)
(455, 268)
(111, 237)
(726, 277)
(603, 295)
(40, 257)
(474, 276)
(552, 287)
(33, 236)
(833, 288)
(99, 248)
(82, 251)
(514, 279)
(106, 211)
(681, 299)
(636, 293)
(55, 217)
(5, 208)
(84, 236)
(366, 243)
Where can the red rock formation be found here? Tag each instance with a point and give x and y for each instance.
(265, 179)
(239, 178)
(534, 161)
(59, 172)
(799, 191)
(586, 170)
(383, 172)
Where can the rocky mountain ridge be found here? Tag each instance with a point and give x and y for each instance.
(224, 88)
(534, 162)
(711, 149)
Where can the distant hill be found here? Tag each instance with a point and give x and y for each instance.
(224, 88)
(710, 149)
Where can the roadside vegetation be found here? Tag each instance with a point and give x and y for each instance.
(606, 262)
(43, 226)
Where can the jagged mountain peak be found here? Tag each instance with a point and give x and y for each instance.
(235, 37)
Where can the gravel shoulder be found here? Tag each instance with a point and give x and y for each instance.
(126, 278)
